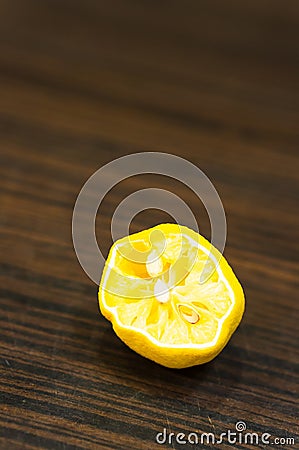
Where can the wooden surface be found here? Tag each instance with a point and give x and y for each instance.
(82, 83)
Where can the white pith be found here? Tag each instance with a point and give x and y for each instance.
(113, 310)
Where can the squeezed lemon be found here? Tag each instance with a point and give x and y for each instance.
(173, 299)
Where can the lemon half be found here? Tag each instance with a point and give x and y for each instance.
(173, 299)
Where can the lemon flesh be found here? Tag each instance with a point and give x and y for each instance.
(174, 300)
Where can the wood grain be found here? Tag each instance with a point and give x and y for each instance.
(82, 83)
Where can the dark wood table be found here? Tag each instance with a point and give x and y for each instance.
(83, 83)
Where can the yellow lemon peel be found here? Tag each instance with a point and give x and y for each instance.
(178, 307)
